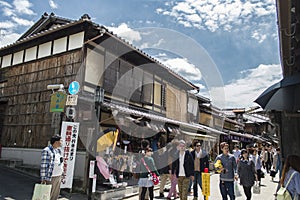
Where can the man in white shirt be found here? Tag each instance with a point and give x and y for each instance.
(183, 167)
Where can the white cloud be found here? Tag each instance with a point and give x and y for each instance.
(22, 22)
(234, 15)
(16, 15)
(184, 68)
(3, 3)
(8, 38)
(8, 11)
(23, 7)
(125, 32)
(242, 92)
(52, 4)
(7, 25)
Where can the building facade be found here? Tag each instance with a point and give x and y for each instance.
(142, 98)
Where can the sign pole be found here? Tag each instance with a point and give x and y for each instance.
(206, 184)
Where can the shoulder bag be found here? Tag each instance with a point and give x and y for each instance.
(283, 193)
(153, 176)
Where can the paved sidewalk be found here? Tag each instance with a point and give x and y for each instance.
(15, 185)
(268, 189)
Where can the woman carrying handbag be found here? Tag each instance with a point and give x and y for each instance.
(146, 179)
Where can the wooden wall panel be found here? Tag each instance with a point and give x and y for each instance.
(29, 100)
(176, 104)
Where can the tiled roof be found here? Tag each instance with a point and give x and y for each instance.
(194, 126)
(86, 18)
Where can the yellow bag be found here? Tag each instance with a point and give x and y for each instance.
(218, 165)
(41, 192)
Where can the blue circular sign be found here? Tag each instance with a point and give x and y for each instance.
(74, 88)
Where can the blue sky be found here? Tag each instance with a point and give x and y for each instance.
(239, 36)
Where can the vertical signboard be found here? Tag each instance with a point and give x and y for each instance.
(69, 134)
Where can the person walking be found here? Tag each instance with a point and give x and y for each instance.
(145, 181)
(228, 172)
(247, 173)
(263, 156)
(201, 162)
(236, 152)
(268, 159)
(291, 170)
(256, 159)
(51, 168)
(277, 162)
(183, 167)
(163, 167)
(172, 152)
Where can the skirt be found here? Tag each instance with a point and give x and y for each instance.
(145, 182)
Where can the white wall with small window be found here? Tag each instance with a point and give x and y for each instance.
(76, 40)
(18, 57)
(44, 49)
(60, 45)
(30, 54)
(6, 60)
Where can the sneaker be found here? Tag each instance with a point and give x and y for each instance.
(161, 195)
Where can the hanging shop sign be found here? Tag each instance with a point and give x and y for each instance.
(69, 134)
(58, 102)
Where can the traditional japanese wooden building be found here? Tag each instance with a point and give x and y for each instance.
(142, 97)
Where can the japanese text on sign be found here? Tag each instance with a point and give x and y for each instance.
(206, 184)
(70, 135)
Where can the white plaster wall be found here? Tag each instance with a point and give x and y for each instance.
(33, 157)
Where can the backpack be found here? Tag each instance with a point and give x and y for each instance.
(283, 193)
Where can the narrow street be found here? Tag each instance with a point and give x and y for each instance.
(15, 185)
(268, 189)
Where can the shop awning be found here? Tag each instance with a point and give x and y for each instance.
(200, 136)
(193, 126)
(240, 134)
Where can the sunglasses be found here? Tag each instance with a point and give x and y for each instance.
(198, 145)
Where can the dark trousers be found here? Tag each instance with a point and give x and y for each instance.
(259, 172)
(144, 189)
(247, 191)
(226, 188)
(268, 166)
(197, 181)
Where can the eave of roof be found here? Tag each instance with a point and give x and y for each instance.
(284, 31)
(96, 26)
